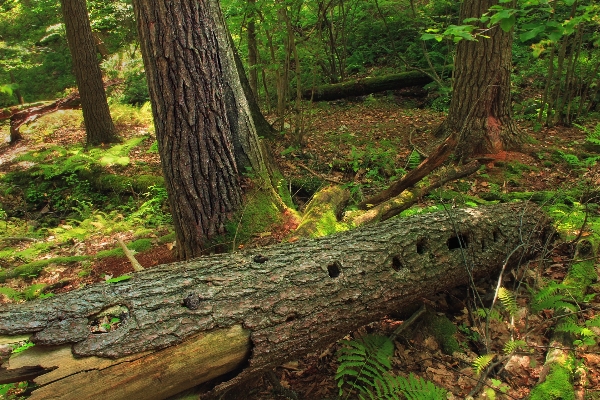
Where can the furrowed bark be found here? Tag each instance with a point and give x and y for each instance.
(292, 298)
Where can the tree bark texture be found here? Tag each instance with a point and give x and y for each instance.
(292, 298)
(96, 115)
(365, 86)
(481, 109)
(183, 67)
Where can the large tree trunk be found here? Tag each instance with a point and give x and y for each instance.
(183, 68)
(280, 302)
(96, 115)
(481, 109)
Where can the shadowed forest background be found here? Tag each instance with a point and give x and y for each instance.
(370, 112)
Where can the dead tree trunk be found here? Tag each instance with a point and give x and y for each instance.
(365, 86)
(258, 308)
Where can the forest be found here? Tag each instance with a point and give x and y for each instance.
(301, 199)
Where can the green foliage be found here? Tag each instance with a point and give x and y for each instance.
(414, 159)
(508, 301)
(553, 296)
(513, 345)
(117, 280)
(417, 388)
(557, 385)
(365, 365)
(482, 362)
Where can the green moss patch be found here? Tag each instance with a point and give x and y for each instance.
(33, 269)
(557, 385)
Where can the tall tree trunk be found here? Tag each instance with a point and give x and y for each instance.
(183, 67)
(480, 109)
(96, 115)
(252, 48)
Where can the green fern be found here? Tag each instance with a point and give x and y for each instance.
(591, 137)
(481, 363)
(551, 297)
(364, 362)
(365, 365)
(514, 345)
(584, 335)
(417, 388)
(414, 159)
(508, 301)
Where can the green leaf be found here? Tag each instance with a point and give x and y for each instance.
(118, 279)
(508, 23)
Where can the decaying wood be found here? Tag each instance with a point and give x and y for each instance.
(436, 159)
(408, 197)
(291, 299)
(360, 87)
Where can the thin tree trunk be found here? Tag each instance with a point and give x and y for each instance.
(99, 126)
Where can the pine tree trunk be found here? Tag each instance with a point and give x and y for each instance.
(480, 109)
(290, 299)
(183, 68)
(96, 115)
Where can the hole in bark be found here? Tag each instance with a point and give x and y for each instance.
(290, 318)
(334, 269)
(495, 236)
(458, 242)
(109, 319)
(482, 245)
(396, 263)
(422, 246)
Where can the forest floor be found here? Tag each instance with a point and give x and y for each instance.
(363, 145)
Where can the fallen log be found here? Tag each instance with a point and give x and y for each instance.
(20, 116)
(363, 86)
(184, 323)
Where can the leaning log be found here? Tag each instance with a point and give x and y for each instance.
(364, 86)
(184, 323)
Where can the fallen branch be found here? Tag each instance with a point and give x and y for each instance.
(407, 198)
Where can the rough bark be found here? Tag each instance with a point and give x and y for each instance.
(365, 86)
(481, 109)
(183, 68)
(96, 115)
(292, 298)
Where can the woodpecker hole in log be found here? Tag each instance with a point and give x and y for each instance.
(334, 269)
(458, 242)
(397, 263)
(422, 246)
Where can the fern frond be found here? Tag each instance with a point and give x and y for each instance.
(482, 362)
(594, 322)
(514, 345)
(414, 159)
(364, 363)
(508, 301)
(417, 388)
(550, 297)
